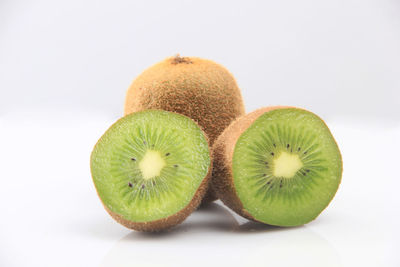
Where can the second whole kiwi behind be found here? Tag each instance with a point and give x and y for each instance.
(198, 88)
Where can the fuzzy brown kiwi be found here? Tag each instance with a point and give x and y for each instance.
(246, 156)
(198, 88)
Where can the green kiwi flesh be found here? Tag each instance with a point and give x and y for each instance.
(286, 167)
(149, 167)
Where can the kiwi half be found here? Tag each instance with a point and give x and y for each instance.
(277, 165)
(151, 169)
(198, 88)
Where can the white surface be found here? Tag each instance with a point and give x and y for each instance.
(64, 70)
(51, 216)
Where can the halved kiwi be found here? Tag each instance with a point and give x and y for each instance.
(277, 165)
(151, 169)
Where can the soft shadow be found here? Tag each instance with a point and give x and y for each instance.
(257, 227)
(210, 218)
(200, 244)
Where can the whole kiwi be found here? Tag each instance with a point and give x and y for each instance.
(198, 88)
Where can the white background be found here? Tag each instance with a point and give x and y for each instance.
(64, 70)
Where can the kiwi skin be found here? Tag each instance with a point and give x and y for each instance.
(223, 149)
(198, 88)
(172, 220)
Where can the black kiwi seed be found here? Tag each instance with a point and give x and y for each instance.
(133, 159)
(305, 153)
(287, 146)
(130, 184)
(167, 154)
(274, 145)
(175, 166)
(307, 170)
(298, 149)
(272, 153)
(143, 186)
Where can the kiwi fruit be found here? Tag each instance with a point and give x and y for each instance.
(151, 169)
(277, 165)
(198, 88)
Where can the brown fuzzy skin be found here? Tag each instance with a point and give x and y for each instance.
(224, 146)
(168, 222)
(195, 87)
(198, 88)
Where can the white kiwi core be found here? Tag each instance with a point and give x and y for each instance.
(286, 165)
(151, 164)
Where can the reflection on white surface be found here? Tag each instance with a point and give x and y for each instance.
(212, 232)
(299, 247)
(56, 218)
